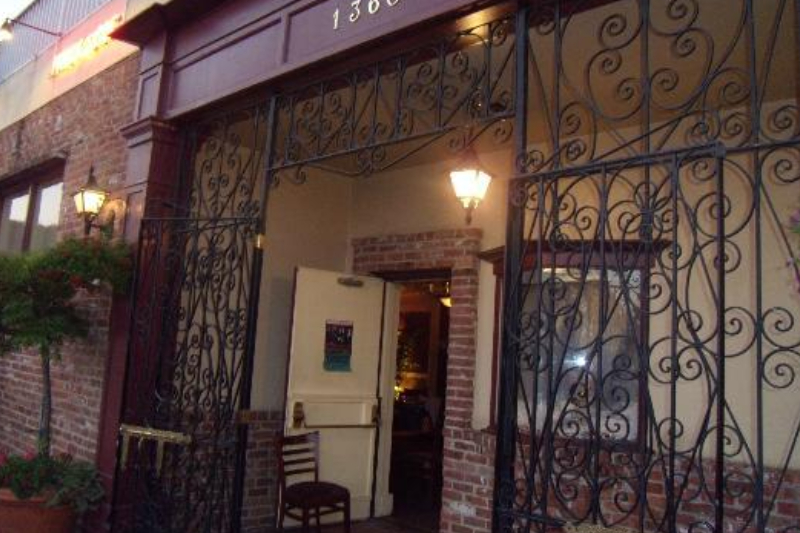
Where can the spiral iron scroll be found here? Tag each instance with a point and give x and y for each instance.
(374, 117)
(655, 344)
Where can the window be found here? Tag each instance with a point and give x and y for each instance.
(585, 368)
(583, 336)
(30, 211)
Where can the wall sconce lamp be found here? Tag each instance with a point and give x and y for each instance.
(7, 29)
(470, 181)
(89, 202)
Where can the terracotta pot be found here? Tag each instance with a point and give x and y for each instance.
(31, 516)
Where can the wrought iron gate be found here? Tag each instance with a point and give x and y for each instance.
(182, 451)
(651, 341)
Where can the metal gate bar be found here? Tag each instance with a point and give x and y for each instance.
(662, 136)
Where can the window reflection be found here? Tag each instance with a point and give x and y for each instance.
(581, 330)
(12, 223)
(30, 215)
(46, 216)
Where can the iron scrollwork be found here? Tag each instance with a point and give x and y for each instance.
(654, 352)
(189, 344)
(377, 116)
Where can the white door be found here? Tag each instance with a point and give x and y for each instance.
(341, 377)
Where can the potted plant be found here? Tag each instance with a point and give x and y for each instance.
(39, 310)
(43, 493)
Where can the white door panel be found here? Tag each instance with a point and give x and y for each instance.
(343, 404)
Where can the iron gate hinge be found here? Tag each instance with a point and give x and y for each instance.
(261, 241)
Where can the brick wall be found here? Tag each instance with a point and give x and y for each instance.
(468, 469)
(82, 126)
(77, 383)
(261, 476)
(620, 506)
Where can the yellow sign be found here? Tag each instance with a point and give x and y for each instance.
(86, 48)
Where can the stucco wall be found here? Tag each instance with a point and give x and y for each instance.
(308, 226)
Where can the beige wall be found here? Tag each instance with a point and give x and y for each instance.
(33, 86)
(307, 226)
(780, 302)
(312, 225)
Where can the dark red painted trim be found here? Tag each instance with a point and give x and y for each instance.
(430, 274)
(197, 53)
(570, 253)
(111, 407)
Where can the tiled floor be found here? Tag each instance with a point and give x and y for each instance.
(384, 525)
(380, 525)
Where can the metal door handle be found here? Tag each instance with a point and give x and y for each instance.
(299, 420)
(376, 415)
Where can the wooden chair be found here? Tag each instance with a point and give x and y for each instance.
(298, 455)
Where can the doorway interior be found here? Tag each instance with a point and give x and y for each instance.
(420, 381)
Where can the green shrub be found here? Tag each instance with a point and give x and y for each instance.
(37, 301)
(62, 480)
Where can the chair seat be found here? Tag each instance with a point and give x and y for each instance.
(311, 494)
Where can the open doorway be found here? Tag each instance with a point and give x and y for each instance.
(420, 381)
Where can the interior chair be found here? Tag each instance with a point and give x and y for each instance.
(309, 498)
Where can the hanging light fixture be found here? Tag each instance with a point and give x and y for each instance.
(7, 29)
(89, 201)
(470, 181)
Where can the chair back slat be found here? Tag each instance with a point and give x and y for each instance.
(297, 451)
(298, 455)
(304, 438)
(295, 462)
(298, 472)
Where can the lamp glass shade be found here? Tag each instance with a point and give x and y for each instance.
(5, 32)
(470, 185)
(89, 201)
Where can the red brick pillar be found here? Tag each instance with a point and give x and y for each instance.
(261, 477)
(468, 454)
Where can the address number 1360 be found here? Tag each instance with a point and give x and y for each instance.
(359, 8)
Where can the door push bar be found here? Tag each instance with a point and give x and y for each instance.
(299, 420)
(350, 282)
(144, 434)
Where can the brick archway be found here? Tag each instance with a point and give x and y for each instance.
(468, 456)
